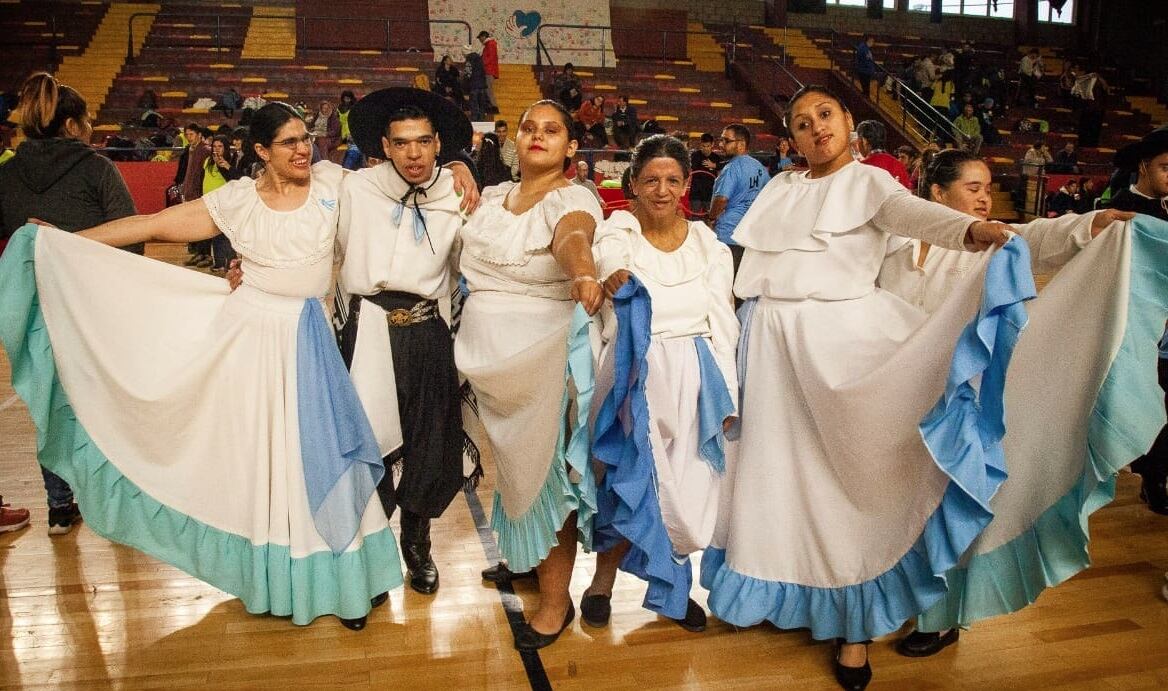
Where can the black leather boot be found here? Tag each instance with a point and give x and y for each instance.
(421, 571)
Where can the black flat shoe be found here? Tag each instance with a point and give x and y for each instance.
(527, 638)
(695, 618)
(499, 573)
(920, 644)
(595, 610)
(379, 600)
(850, 678)
(353, 624)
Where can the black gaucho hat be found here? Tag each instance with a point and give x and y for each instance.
(370, 116)
(1150, 146)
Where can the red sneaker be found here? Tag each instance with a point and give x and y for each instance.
(12, 519)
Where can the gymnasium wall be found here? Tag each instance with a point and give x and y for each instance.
(514, 25)
(707, 11)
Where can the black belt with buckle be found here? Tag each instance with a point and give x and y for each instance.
(401, 309)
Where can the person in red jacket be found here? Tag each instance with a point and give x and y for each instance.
(870, 143)
(490, 65)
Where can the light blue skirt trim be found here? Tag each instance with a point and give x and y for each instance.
(265, 577)
(963, 433)
(526, 540)
(1125, 420)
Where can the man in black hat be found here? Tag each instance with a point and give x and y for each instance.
(1148, 158)
(398, 223)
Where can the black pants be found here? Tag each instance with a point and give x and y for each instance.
(1155, 462)
(429, 408)
(865, 81)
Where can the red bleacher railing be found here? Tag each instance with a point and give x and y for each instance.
(302, 22)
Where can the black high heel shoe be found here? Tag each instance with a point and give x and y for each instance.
(527, 638)
(851, 678)
(359, 623)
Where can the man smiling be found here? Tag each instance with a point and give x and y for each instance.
(398, 223)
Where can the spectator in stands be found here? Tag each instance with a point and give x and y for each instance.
(1036, 158)
(1066, 160)
(1090, 92)
(1066, 82)
(567, 88)
(1030, 71)
(783, 157)
(326, 127)
(348, 98)
(1087, 196)
(447, 80)
(590, 128)
(870, 137)
(986, 113)
(942, 100)
(492, 170)
(625, 125)
(910, 158)
(865, 64)
(968, 127)
(740, 181)
(190, 181)
(148, 100)
(704, 163)
(475, 85)
(58, 179)
(1065, 200)
(924, 75)
(490, 66)
(583, 179)
(11, 519)
(229, 102)
(218, 170)
(507, 149)
(963, 66)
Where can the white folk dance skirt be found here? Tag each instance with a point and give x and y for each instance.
(1082, 401)
(659, 437)
(529, 361)
(215, 431)
(836, 517)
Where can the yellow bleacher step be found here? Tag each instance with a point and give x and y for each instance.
(269, 35)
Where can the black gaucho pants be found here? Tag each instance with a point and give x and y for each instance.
(429, 407)
(1154, 464)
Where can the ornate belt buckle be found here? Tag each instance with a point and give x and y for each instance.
(399, 317)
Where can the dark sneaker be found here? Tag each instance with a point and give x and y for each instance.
(62, 520)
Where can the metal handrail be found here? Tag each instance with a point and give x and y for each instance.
(301, 22)
(542, 50)
(539, 42)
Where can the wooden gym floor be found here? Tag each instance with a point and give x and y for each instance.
(79, 612)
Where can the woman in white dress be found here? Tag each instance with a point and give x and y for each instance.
(836, 517)
(215, 430)
(924, 276)
(669, 363)
(524, 346)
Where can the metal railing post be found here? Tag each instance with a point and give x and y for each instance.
(388, 36)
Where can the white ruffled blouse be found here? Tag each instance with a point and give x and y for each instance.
(826, 238)
(281, 252)
(511, 253)
(691, 287)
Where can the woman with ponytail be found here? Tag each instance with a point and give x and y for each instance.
(57, 178)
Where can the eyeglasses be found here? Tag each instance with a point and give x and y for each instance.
(293, 142)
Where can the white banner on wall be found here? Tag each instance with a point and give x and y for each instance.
(514, 26)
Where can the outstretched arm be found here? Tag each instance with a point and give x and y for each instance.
(572, 249)
(187, 222)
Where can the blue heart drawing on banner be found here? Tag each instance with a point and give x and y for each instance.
(527, 22)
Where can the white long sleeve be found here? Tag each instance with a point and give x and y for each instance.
(1055, 241)
(910, 216)
(723, 322)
